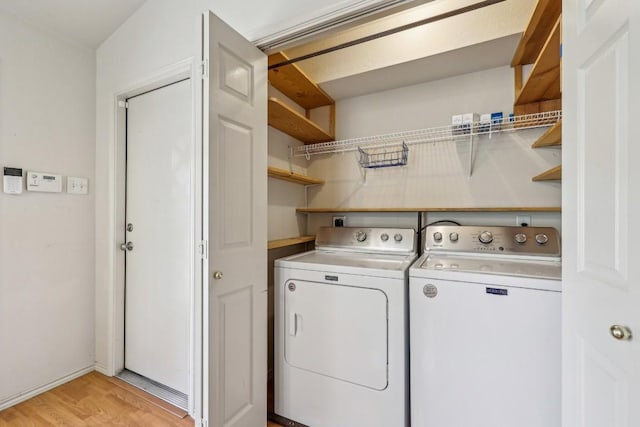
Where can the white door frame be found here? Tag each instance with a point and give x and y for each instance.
(171, 74)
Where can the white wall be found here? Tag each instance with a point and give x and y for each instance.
(47, 123)
(437, 173)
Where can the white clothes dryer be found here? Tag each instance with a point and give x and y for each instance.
(341, 332)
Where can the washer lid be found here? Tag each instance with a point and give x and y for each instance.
(453, 264)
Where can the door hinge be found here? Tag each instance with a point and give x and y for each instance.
(123, 104)
(203, 249)
(204, 69)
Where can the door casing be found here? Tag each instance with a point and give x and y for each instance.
(171, 74)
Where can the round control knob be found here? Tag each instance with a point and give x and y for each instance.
(485, 237)
(384, 237)
(437, 236)
(453, 237)
(361, 236)
(397, 237)
(541, 239)
(520, 238)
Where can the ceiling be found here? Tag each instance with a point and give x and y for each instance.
(85, 22)
(482, 39)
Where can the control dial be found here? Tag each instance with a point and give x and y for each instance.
(520, 238)
(437, 236)
(541, 238)
(384, 237)
(397, 237)
(453, 237)
(361, 236)
(485, 237)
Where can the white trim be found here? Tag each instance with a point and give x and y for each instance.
(99, 367)
(337, 15)
(187, 68)
(43, 388)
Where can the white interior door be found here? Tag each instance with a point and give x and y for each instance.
(158, 208)
(235, 133)
(600, 207)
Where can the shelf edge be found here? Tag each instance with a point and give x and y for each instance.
(427, 209)
(281, 243)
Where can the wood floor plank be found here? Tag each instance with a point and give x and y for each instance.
(94, 400)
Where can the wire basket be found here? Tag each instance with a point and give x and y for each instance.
(384, 157)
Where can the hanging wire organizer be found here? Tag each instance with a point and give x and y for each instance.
(435, 134)
(384, 157)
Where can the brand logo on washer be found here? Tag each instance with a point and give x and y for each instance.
(291, 286)
(430, 291)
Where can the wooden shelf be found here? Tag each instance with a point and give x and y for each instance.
(294, 83)
(281, 243)
(553, 174)
(286, 175)
(418, 209)
(540, 25)
(544, 81)
(294, 124)
(551, 138)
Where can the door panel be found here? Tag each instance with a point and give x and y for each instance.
(235, 133)
(601, 286)
(337, 331)
(158, 205)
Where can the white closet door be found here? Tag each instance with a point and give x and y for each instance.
(235, 132)
(600, 207)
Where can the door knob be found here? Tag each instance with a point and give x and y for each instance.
(217, 275)
(620, 332)
(126, 246)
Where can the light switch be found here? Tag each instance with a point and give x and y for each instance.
(76, 185)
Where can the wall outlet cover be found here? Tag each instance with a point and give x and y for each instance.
(523, 220)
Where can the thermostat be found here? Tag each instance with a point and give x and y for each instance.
(45, 182)
(12, 181)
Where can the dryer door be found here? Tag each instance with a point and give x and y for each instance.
(337, 331)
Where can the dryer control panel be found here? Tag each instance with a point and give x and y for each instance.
(367, 239)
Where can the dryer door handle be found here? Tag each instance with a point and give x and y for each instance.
(293, 323)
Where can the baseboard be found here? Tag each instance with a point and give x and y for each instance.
(102, 369)
(39, 390)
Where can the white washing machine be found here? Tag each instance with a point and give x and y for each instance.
(341, 330)
(485, 328)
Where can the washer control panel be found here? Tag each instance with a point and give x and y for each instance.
(533, 241)
(384, 240)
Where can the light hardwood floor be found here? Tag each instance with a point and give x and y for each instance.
(96, 400)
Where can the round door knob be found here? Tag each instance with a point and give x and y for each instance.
(361, 236)
(437, 236)
(620, 332)
(520, 238)
(397, 237)
(384, 237)
(217, 275)
(486, 237)
(541, 239)
(453, 237)
(126, 246)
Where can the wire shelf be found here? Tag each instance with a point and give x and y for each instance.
(384, 157)
(442, 133)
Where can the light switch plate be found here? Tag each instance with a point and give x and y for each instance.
(77, 185)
